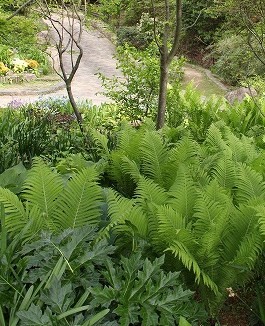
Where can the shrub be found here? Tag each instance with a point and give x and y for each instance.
(234, 60)
(140, 35)
(136, 94)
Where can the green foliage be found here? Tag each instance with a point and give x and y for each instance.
(70, 279)
(37, 129)
(234, 60)
(201, 20)
(48, 203)
(18, 40)
(139, 36)
(12, 5)
(142, 292)
(246, 118)
(122, 12)
(13, 178)
(18, 31)
(51, 282)
(194, 201)
(187, 111)
(136, 93)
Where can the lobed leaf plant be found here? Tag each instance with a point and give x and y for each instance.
(202, 204)
(68, 279)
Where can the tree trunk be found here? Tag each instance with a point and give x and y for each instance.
(162, 100)
(74, 106)
(166, 57)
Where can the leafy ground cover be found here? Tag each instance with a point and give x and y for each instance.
(19, 51)
(100, 228)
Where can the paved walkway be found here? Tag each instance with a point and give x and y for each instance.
(97, 57)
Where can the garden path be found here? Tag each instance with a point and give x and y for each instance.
(98, 57)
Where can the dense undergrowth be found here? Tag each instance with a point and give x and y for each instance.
(103, 228)
(122, 224)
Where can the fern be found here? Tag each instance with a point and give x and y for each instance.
(214, 140)
(183, 193)
(130, 167)
(123, 181)
(148, 191)
(243, 149)
(181, 250)
(170, 223)
(249, 184)
(153, 155)
(225, 171)
(124, 217)
(79, 202)
(101, 142)
(260, 211)
(129, 141)
(185, 151)
(49, 205)
(42, 187)
(16, 216)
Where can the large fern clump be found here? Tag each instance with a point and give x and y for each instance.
(48, 202)
(203, 204)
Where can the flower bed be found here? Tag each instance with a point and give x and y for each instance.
(18, 70)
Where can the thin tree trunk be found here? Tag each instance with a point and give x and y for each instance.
(74, 106)
(162, 99)
(166, 57)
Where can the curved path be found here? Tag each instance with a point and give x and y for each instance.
(97, 57)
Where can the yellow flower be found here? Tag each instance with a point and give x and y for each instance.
(3, 69)
(19, 65)
(33, 64)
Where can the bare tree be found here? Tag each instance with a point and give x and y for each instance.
(166, 54)
(66, 27)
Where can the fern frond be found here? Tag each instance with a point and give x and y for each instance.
(243, 149)
(79, 202)
(260, 211)
(42, 187)
(186, 151)
(170, 223)
(153, 156)
(225, 172)
(15, 215)
(130, 168)
(135, 223)
(181, 250)
(214, 140)
(129, 141)
(101, 142)
(207, 213)
(124, 181)
(243, 225)
(248, 251)
(207, 280)
(119, 209)
(36, 222)
(183, 193)
(148, 191)
(249, 184)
